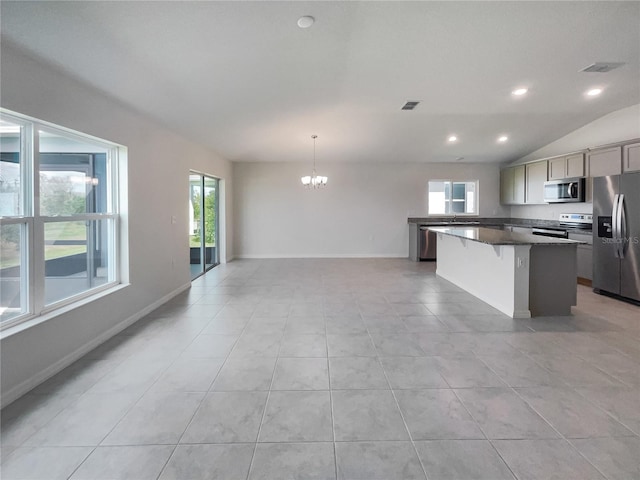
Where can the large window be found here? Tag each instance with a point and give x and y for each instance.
(58, 215)
(447, 197)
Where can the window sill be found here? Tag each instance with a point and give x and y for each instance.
(33, 321)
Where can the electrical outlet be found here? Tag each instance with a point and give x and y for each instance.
(522, 262)
(174, 219)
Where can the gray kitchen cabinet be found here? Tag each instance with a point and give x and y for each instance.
(568, 166)
(557, 168)
(413, 242)
(512, 185)
(575, 165)
(584, 255)
(536, 175)
(519, 187)
(506, 185)
(606, 161)
(631, 158)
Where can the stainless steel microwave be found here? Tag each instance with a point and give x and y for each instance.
(565, 190)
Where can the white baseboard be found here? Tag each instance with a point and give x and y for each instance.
(29, 384)
(328, 255)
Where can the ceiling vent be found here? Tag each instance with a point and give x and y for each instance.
(410, 105)
(602, 67)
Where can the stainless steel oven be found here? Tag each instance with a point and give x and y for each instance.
(550, 232)
(565, 190)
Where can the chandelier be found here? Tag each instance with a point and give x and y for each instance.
(314, 180)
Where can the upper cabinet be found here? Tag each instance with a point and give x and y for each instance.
(606, 161)
(536, 175)
(631, 158)
(524, 184)
(512, 185)
(566, 167)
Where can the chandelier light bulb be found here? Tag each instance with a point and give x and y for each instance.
(314, 180)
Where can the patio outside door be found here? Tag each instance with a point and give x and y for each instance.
(203, 223)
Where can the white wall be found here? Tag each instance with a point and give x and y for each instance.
(617, 126)
(158, 169)
(361, 212)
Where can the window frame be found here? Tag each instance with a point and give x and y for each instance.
(32, 244)
(449, 201)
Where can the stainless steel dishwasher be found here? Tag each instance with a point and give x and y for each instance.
(427, 244)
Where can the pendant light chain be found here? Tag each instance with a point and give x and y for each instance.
(314, 153)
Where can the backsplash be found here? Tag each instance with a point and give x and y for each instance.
(551, 211)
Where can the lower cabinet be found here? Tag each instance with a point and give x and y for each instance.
(585, 255)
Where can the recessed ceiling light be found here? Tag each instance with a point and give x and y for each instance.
(519, 91)
(594, 92)
(503, 138)
(306, 21)
(452, 138)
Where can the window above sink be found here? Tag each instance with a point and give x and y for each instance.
(448, 197)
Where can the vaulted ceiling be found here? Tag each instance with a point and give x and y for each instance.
(244, 79)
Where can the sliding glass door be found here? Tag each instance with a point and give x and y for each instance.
(203, 223)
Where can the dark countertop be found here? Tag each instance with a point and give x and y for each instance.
(501, 237)
(494, 222)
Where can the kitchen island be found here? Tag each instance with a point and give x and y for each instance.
(521, 275)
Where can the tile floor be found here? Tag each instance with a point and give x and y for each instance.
(340, 369)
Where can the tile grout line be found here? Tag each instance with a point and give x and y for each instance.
(333, 422)
(453, 390)
(548, 422)
(485, 434)
(195, 412)
(619, 420)
(413, 444)
(233, 279)
(266, 405)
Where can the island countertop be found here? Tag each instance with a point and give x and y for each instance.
(501, 237)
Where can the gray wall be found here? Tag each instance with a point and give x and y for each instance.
(361, 212)
(158, 253)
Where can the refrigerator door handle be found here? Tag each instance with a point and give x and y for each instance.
(614, 223)
(622, 231)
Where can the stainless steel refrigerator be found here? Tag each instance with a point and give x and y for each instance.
(616, 235)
